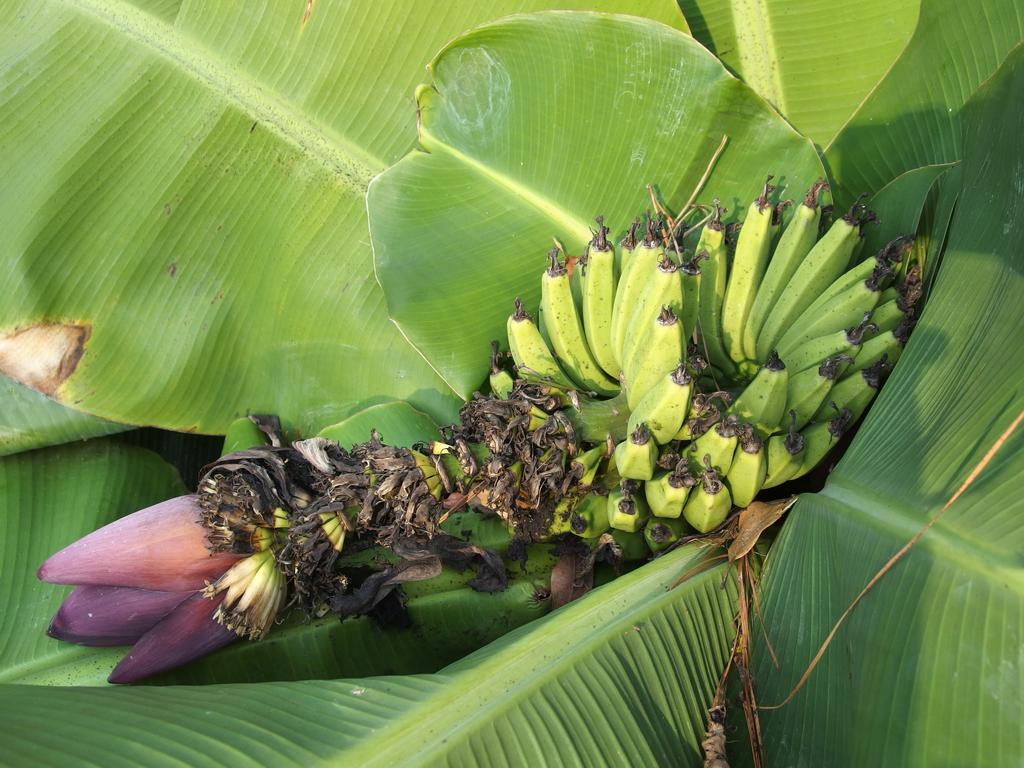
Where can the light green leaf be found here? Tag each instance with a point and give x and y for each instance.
(912, 117)
(900, 205)
(533, 125)
(927, 670)
(397, 423)
(812, 61)
(189, 202)
(29, 419)
(48, 499)
(622, 675)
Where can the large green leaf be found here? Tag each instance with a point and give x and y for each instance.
(48, 499)
(29, 419)
(189, 205)
(813, 61)
(621, 676)
(534, 125)
(927, 670)
(912, 117)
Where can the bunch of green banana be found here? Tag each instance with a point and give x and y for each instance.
(735, 372)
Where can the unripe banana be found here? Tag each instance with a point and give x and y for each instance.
(703, 414)
(809, 388)
(709, 502)
(637, 455)
(820, 438)
(632, 546)
(566, 331)
(794, 245)
(662, 534)
(627, 509)
(844, 311)
(814, 351)
(748, 265)
(717, 446)
(763, 402)
(632, 281)
(749, 468)
(855, 391)
(627, 247)
(589, 518)
(690, 276)
(666, 493)
(653, 354)
(826, 262)
(665, 406)
(785, 455)
(597, 269)
(500, 380)
(529, 349)
(886, 344)
(662, 287)
(713, 277)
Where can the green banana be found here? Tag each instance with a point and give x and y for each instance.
(749, 468)
(703, 414)
(748, 265)
(653, 354)
(796, 242)
(632, 281)
(500, 380)
(809, 388)
(243, 434)
(717, 446)
(637, 455)
(709, 502)
(845, 309)
(784, 455)
(627, 509)
(666, 492)
(530, 351)
(662, 288)
(815, 351)
(856, 391)
(820, 438)
(690, 275)
(627, 247)
(712, 250)
(590, 516)
(826, 261)
(763, 402)
(566, 332)
(665, 405)
(597, 268)
(662, 534)
(632, 546)
(887, 344)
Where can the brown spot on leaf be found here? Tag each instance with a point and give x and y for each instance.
(172, 268)
(44, 355)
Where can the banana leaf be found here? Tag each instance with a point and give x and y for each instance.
(927, 669)
(813, 61)
(185, 237)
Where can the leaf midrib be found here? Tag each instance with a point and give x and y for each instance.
(351, 163)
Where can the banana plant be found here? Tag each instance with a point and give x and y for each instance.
(161, 151)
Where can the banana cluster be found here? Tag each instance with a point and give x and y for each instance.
(740, 354)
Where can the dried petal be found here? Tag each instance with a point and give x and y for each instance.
(188, 632)
(111, 615)
(163, 547)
